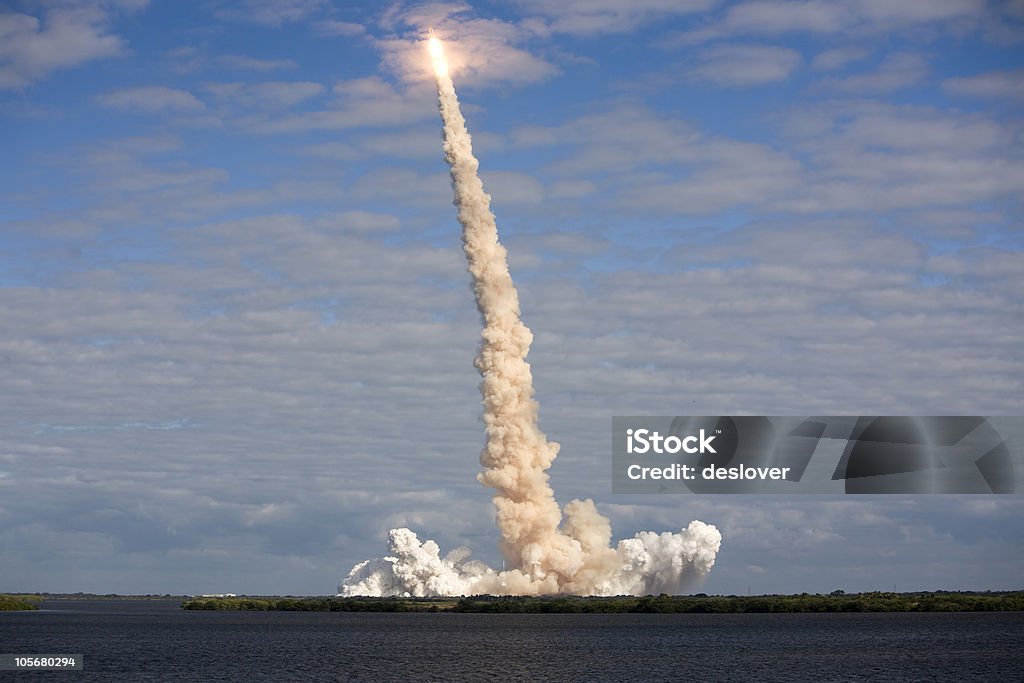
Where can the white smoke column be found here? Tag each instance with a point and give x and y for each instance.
(548, 555)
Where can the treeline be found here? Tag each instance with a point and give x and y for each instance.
(662, 604)
(11, 603)
(109, 596)
(321, 604)
(733, 604)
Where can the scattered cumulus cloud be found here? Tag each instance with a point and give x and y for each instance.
(243, 62)
(992, 84)
(899, 13)
(745, 65)
(897, 70)
(332, 27)
(837, 58)
(64, 36)
(773, 18)
(151, 99)
(359, 221)
(271, 12)
(589, 17)
(820, 17)
(360, 102)
(266, 95)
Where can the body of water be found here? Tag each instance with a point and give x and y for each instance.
(129, 640)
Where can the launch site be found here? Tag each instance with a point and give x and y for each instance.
(499, 341)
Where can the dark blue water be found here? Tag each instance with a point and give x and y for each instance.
(156, 641)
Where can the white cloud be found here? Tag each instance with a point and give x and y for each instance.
(267, 95)
(882, 127)
(254, 64)
(1004, 24)
(184, 59)
(745, 65)
(339, 28)
(992, 84)
(334, 150)
(358, 221)
(419, 142)
(871, 157)
(898, 70)
(151, 99)
(67, 36)
(726, 174)
(589, 17)
(777, 16)
(512, 187)
(837, 58)
(416, 143)
(842, 156)
(887, 12)
(369, 102)
(405, 186)
(862, 17)
(643, 163)
(572, 189)
(271, 12)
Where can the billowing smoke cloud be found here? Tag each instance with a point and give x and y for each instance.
(550, 550)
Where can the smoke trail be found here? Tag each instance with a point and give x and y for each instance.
(548, 554)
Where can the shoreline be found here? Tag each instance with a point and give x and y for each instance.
(837, 602)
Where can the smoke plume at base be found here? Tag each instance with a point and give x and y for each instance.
(549, 549)
(647, 564)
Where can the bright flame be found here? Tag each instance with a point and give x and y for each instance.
(437, 55)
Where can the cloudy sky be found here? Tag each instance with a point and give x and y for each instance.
(238, 333)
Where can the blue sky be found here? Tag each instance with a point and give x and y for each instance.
(238, 332)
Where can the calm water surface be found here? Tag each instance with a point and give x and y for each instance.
(156, 641)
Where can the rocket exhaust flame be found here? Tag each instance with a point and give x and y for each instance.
(548, 554)
(437, 55)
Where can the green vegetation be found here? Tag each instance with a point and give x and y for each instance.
(109, 596)
(838, 601)
(323, 604)
(732, 604)
(10, 603)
